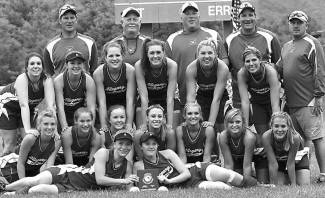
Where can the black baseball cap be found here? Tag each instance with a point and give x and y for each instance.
(148, 135)
(123, 134)
(71, 55)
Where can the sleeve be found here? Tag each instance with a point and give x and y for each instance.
(169, 49)
(93, 59)
(222, 54)
(318, 61)
(48, 64)
(276, 49)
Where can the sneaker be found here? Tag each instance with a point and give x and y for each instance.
(321, 178)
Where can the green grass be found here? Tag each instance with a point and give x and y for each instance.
(313, 190)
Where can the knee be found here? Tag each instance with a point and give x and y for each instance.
(217, 173)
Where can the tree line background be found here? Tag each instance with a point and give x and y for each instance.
(27, 25)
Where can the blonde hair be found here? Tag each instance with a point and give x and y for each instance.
(291, 130)
(45, 113)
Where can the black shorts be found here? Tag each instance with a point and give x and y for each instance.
(197, 175)
(302, 164)
(205, 104)
(260, 162)
(13, 121)
(261, 114)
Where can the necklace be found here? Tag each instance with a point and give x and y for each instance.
(238, 142)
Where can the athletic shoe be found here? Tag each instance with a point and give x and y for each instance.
(321, 178)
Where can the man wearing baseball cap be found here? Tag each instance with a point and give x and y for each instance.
(302, 65)
(249, 34)
(131, 36)
(69, 39)
(182, 45)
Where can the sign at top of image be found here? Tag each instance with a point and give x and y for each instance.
(166, 11)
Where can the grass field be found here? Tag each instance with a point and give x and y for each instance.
(313, 190)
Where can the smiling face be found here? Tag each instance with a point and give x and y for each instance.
(47, 126)
(247, 19)
(279, 128)
(75, 66)
(34, 67)
(235, 125)
(193, 115)
(122, 147)
(252, 63)
(155, 118)
(131, 24)
(117, 119)
(206, 56)
(84, 122)
(68, 22)
(114, 57)
(191, 19)
(155, 55)
(297, 27)
(149, 148)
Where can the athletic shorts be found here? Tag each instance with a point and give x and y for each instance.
(260, 162)
(309, 126)
(261, 114)
(13, 120)
(205, 104)
(197, 175)
(302, 164)
(61, 179)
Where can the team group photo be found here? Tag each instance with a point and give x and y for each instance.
(162, 98)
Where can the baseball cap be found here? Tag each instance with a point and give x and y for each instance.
(146, 136)
(123, 134)
(65, 8)
(129, 10)
(188, 4)
(245, 5)
(298, 15)
(71, 55)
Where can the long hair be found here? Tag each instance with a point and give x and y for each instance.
(29, 56)
(291, 130)
(145, 63)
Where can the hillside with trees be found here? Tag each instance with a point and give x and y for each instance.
(27, 25)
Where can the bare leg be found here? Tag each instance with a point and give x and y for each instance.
(216, 173)
(44, 188)
(320, 155)
(214, 185)
(138, 117)
(44, 177)
(303, 176)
